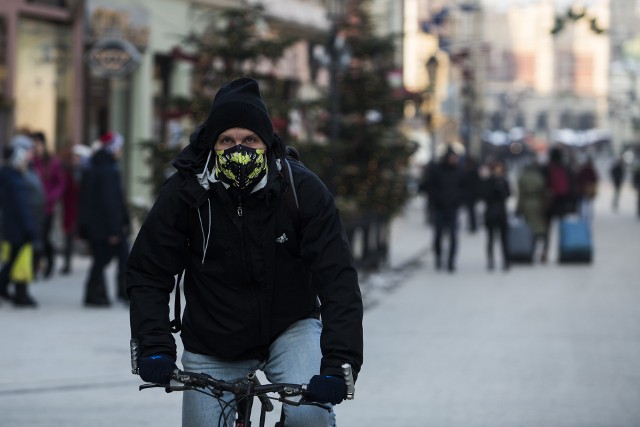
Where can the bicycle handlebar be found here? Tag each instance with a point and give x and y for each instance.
(180, 379)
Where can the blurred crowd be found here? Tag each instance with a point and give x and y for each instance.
(546, 193)
(81, 188)
(79, 191)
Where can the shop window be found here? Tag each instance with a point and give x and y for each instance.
(44, 80)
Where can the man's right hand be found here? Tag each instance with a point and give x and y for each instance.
(156, 368)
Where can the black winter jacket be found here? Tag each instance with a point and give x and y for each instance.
(496, 191)
(250, 271)
(18, 223)
(102, 209)
(446, 189)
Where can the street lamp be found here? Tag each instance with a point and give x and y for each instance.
(338, 54)
(432, 69)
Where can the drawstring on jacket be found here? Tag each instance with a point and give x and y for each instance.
(203, 179)
(205, 241)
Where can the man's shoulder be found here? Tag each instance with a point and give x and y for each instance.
(304, 178)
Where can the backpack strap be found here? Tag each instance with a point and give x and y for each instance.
(291, 199)
(290, 195)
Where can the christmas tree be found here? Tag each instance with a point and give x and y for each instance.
(367, 165)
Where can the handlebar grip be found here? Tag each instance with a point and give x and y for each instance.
(348, 379)
(133, 348)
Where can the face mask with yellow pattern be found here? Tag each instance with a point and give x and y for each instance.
(240, 166)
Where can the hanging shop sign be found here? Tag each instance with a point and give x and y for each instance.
(113, 58)
(118, 34)
(128, 22)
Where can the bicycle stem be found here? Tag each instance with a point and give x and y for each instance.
(266, 402)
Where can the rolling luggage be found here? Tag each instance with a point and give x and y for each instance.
(575, 241)
(519, 241)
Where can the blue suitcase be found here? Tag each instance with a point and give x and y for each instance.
(575, 241)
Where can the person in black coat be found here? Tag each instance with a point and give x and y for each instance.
(471, 191)
(496, 191)
(617, 177)
(103, 220)
(445, 194)
(258, 271)
(19, 226)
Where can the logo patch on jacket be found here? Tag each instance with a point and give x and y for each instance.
(282, 238)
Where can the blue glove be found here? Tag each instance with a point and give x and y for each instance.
(156, 368)
(327, 389)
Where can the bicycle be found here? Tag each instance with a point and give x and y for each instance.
(244, 391)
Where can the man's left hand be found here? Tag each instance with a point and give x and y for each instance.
(327, 389)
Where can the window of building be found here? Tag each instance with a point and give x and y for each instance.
(526, 68)
(44, 80)
(3, 57)
(584, 74)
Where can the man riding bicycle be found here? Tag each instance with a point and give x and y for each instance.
(268, 286)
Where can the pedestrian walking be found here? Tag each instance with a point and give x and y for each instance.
(74, 164)
(424, 188)
(37, 203)
(103, 220)
(561, 197)
(19, 227)
(636, 184)
(471, 191)
(617, 177)
(257, 279)
(49, 169)
(445, 194)
(587, 180)
(496, 191)
(533, 198)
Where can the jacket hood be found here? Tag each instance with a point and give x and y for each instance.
(191, 159)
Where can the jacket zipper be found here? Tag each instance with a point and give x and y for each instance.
(242, 247)
(261, 327)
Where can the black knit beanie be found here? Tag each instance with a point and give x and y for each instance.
(238, 104)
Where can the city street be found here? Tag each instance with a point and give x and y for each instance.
(538, 346)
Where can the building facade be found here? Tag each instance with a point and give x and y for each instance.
(77, 68)
(522, 70)
(547, 72)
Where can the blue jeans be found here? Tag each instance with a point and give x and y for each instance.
(294, 357)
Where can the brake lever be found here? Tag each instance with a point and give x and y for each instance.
(150, 385)
(303, 402)
(168, 388)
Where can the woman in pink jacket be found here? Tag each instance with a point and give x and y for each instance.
(50, 171)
